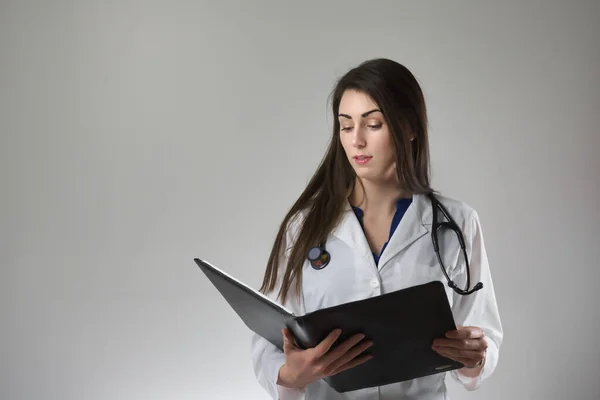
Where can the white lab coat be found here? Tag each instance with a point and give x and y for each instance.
(408, 260)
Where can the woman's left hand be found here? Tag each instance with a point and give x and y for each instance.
(466, 344)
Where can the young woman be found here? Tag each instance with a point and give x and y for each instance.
(370, 207)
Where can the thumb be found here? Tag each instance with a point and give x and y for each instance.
(288, 340)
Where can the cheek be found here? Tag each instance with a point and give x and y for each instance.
(385, 147)
(345, 142)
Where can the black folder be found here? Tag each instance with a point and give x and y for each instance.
(402, 325)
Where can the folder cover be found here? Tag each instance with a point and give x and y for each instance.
(402, 325)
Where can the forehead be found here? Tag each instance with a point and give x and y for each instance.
(355, 103)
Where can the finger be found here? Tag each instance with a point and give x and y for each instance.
(352, 363)
(342, 348)
(348, 356)
(288, 340)
(456, 355)
(467, 362)
(465, 344)
(466, 332)
(326, 343)
(457, 352)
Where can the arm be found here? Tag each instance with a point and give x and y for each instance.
(480, 308)
(267, 359)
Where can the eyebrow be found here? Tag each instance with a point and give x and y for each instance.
(363, 115)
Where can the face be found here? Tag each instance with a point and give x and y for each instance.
(366, 138)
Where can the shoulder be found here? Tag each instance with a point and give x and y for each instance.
(293, 227)
(455, 204)
(462, 212)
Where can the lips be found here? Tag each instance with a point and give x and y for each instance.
(362, 159)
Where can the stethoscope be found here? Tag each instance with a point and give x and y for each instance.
(319, 257)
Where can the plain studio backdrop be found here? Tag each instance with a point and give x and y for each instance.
(137, 135)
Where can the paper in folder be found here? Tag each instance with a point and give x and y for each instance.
(401, 324)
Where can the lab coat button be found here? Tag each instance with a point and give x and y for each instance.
(374, 283)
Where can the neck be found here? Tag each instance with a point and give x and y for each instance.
(377, 198)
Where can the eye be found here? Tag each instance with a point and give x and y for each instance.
(347, 128)
(377, 126)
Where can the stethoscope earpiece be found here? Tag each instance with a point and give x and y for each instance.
(318, 257)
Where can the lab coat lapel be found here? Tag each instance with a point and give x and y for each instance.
(350, 232)
(415, 223)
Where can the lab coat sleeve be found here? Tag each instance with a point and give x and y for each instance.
(268, 359)
(480, 308)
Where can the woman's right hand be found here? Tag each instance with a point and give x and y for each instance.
(303, 367)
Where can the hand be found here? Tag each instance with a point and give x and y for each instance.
(302, 367)
(466, 344)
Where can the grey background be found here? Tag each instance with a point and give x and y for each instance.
(136, 136)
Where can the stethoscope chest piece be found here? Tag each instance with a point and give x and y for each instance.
(318, 257)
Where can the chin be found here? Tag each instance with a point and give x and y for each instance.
(365, 175)
(375, 176)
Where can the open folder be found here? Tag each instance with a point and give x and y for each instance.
(401, 324)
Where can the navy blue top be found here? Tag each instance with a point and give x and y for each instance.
(401, 207)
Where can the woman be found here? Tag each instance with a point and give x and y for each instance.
(368, 202)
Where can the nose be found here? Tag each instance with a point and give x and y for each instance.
(358, 138)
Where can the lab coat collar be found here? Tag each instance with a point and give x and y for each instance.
(416, 223)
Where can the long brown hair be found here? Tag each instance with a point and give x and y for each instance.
(398, 94)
